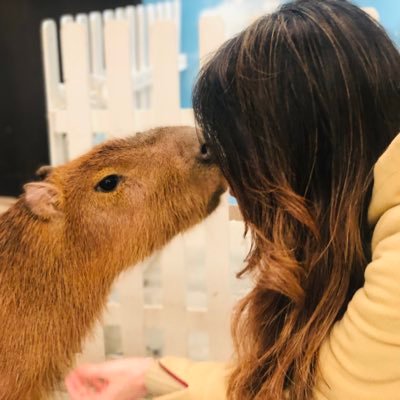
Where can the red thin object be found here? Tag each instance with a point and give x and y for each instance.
(172, 375)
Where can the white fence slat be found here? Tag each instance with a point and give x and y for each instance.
(120, 13)
(65, 19)
(160, 11)
(141, 34)
(151, 18)
(145, 33)
(97, 43)
(141, 50)
(169, 10)
(94, 348)
(212, 35)
(187, 117)
(164, 58)
(75, 54)
(119, 76)
(174, 298)
(176, 14)
(150, 12)
(218, 276)
(130, 290)
(107, 15)
(82, 18)
(165, 10)
(54, 96)
(51, 65)
(58, 153)
(131, 17)
(146, 61)
(112, 315)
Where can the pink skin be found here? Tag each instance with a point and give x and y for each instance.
(112, 380)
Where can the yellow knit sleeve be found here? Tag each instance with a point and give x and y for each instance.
(360, 360)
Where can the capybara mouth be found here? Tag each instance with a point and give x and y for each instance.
(215, 199)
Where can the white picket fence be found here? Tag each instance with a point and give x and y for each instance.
(121, 75)
(107, 74)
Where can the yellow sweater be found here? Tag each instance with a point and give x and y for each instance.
(360, 359)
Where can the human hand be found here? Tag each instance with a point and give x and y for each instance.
(113, 380)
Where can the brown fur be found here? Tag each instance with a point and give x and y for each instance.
(63, 244)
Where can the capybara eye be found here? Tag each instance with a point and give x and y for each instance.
(108, 184)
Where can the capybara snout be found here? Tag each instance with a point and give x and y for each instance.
(69, 236)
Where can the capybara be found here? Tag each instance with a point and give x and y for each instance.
(68, 237)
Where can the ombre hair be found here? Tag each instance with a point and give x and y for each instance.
(297, 109)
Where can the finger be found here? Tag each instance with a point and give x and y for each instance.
(99, 384)
(86, 384)
(74, 387)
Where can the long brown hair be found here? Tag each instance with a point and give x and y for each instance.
(297, 109)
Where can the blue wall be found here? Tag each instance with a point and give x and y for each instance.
(389, 12)
(190, 12)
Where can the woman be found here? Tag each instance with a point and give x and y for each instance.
(297, 110)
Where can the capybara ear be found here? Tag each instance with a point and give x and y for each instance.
(43, 199)
(44, 171)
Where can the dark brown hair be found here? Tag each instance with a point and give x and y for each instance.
(297, 108)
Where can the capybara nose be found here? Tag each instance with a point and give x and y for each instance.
(205, 154)
(190, 145)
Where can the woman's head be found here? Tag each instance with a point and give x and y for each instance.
(297, 109)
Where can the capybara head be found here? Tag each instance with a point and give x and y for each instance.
(129, 196)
